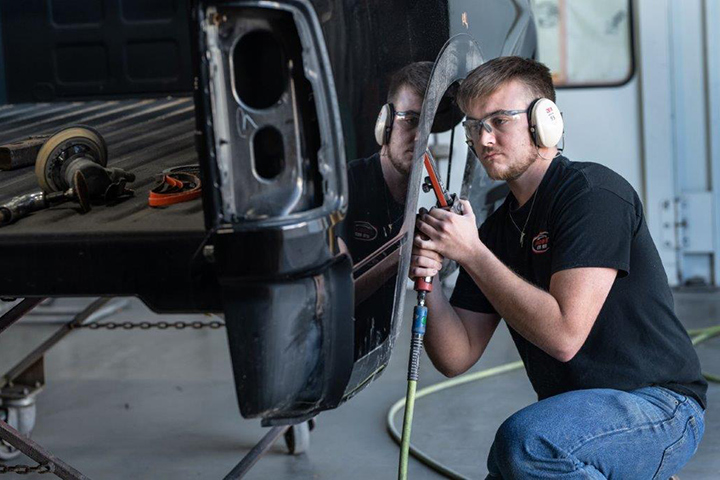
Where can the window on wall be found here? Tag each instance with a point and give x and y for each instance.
(585, 42)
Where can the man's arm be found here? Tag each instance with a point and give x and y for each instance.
(558, 321)
(455, 338)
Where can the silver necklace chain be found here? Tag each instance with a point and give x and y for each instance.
(522, 232)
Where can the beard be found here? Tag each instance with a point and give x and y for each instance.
(402, 163)
(514, 170)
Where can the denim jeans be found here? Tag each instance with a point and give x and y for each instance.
(644, 434)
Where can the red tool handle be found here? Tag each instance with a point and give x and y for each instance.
(435, 182)
(423, 284)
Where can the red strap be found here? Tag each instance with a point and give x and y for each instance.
(176, 187)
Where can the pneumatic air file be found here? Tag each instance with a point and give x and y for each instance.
(423, 286)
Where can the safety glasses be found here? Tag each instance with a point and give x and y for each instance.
(407, 120)
(501, 120)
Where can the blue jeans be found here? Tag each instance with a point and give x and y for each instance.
(649, 433)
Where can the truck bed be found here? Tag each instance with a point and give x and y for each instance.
(126, 248)
(143, 137)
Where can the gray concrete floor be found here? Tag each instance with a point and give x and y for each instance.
(161, 405)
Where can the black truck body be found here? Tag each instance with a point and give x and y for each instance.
(271, 100)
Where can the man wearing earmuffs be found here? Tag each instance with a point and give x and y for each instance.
(378, 184)
(568, 262)
(377, 190)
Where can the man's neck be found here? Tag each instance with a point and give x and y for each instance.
(525, 185)
(396, 182)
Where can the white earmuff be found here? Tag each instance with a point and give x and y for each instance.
(383, 125)
(546, 123)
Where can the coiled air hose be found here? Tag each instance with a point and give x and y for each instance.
(697, 336)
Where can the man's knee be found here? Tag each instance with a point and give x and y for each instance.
(518, 436)
(521, 446)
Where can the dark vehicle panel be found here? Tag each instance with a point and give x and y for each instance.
(57, 50)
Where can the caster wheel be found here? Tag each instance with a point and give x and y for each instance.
(297, 438)
(71, 142)
(20, 414)
(8, 452)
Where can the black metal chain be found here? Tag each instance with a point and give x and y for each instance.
(196, 325)
(27, 469)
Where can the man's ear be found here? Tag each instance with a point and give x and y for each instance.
(546, 123)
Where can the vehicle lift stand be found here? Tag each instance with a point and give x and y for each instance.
(21, 384)
(24, 381)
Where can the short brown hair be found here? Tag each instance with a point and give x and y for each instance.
(415, 76)
(488, 77)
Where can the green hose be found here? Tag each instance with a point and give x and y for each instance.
(416, 344)
(454, 382)
(704, 334)
(697, 336)
(700, 335)
(407, 424)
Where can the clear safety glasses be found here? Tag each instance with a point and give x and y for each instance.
(502, 121)
(407, 120)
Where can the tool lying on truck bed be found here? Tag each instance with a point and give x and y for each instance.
(70, 166)
(21, 153)
(176, 185)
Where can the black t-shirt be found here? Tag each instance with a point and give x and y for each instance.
(374, 219)
(586, 215)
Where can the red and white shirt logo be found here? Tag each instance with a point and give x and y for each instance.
(541, 243)
(365, 231)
